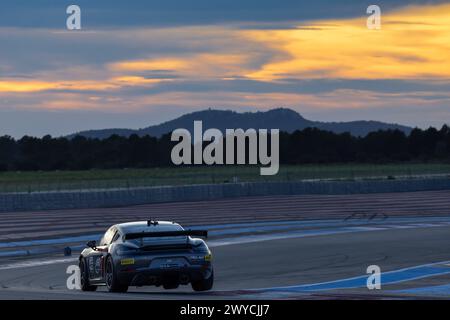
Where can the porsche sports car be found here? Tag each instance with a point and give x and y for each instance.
(156, 253)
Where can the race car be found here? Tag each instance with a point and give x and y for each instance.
(158, 253)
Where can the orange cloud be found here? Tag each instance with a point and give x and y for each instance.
(37, 86)
(78, 85)
(152, 64)
(136, 80)
(412, 44)
(201, 65)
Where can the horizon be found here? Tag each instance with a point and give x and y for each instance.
(141, 65)
(241, 112)
(72, 134)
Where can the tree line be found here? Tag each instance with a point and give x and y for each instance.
(310, 145)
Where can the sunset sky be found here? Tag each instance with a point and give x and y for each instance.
(138, 63)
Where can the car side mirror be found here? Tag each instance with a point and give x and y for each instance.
(92, 244)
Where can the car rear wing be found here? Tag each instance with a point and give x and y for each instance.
(160, 234)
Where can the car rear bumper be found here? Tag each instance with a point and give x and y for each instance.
(169, 276)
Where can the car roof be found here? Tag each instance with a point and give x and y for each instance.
(143, 226)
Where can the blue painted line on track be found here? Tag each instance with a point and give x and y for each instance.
(49, 241)
(241, 228)
(34, 251)
(387, 278)
(441, 290)
(248, 228)
(327, 223)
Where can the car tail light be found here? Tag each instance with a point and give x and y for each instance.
(126, 250)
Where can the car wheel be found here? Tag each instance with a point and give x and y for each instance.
(205, 284)
(112, 283)
(84, 277)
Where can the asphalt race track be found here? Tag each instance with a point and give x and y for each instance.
(320, 253)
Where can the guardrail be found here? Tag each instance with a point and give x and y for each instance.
(144, 195)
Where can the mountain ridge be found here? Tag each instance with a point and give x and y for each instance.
(284, 119)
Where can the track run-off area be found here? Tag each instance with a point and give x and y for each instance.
(307, 247)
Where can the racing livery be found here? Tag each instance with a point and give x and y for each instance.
(143, 253)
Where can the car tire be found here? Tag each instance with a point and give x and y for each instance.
(84, 277)
(204, 284)
(111, 280)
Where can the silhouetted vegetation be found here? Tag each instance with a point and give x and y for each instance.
(306, 146)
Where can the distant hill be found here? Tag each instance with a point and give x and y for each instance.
(282, 118)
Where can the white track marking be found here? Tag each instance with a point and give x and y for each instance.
(36, 263)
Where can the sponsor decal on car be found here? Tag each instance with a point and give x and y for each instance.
(126, 262)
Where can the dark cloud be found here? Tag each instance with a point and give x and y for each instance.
(119, 13)
(315, 86)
